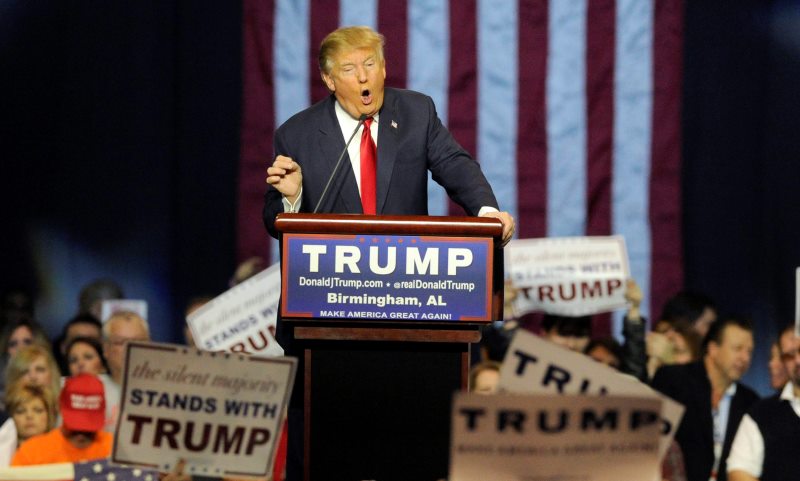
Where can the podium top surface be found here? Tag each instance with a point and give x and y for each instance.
(389, 224)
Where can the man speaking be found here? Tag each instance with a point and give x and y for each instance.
(365, 149)
(397, 137)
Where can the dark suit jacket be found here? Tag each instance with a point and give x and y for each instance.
(689, 385)
(411, 142)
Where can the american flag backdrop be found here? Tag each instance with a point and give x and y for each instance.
(572, 107)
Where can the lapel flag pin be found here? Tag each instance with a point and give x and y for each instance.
(394, 124)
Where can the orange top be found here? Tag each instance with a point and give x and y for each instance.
(53, 447)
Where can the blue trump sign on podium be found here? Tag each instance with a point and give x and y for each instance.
(392, 277)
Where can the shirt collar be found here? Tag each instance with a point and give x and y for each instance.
(346, 121)
(787, 393)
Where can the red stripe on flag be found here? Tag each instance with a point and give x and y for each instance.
(393, 24)
(532, 120)
(665, 172)
(324, 20)
(463, 87)
(600, 37)
(257, 127)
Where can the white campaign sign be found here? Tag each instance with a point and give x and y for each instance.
(545, 437)
(536, 366)
(223, 413)
(112, 306)
(242, 319)
(572, 276)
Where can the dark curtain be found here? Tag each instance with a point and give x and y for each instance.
(119, 147)
(741, 202)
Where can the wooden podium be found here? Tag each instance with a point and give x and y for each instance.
(377, 391)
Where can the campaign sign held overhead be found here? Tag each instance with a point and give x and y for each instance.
(395, 277)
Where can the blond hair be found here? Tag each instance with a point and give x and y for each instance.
(20, 393)
(18, 366)
(346, 39)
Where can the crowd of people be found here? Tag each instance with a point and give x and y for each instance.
(696, 356)
(61, 398)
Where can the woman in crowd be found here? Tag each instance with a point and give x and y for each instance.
(21, 334)
(15, 336)
(32, 410)
(34, 366)
(85, 355)
(673, 342)
(80, 436)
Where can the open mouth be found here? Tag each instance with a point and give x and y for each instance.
(366, 97)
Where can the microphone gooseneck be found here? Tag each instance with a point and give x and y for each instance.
(339, 162)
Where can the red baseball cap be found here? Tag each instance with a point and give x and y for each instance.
(83, 403)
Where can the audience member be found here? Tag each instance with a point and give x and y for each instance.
(572, 333)
(85, 355)
(672, 343)
(606, 351)
(696, 308)
(247, 269)
(92, 295)
(33, 412)
(82, 325)
(778, 376)
(633, 353)
(20, 334)
(765, 447)
(34, 366)
(714, 399)
(80, 436)
(484, 376)
(17, 305)
(119, 329)
(33, 409)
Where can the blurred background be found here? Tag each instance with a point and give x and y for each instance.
(134, 136)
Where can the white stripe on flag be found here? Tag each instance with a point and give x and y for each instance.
(291, 47)
(358, 12)
(566, 119)
(428, 60)
(290, 50)
(633, 115)
(497, 98)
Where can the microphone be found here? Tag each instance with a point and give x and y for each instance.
(339, 162)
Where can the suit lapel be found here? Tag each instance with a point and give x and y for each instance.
(331, 144)
(387, 147)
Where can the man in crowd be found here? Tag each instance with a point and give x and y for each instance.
(715, 401)
(765, 447)
(121, 327)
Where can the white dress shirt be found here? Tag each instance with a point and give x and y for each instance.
(747, 451)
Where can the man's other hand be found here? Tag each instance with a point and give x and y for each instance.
(507, 221)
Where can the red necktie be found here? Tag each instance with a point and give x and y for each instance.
(368, 163)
